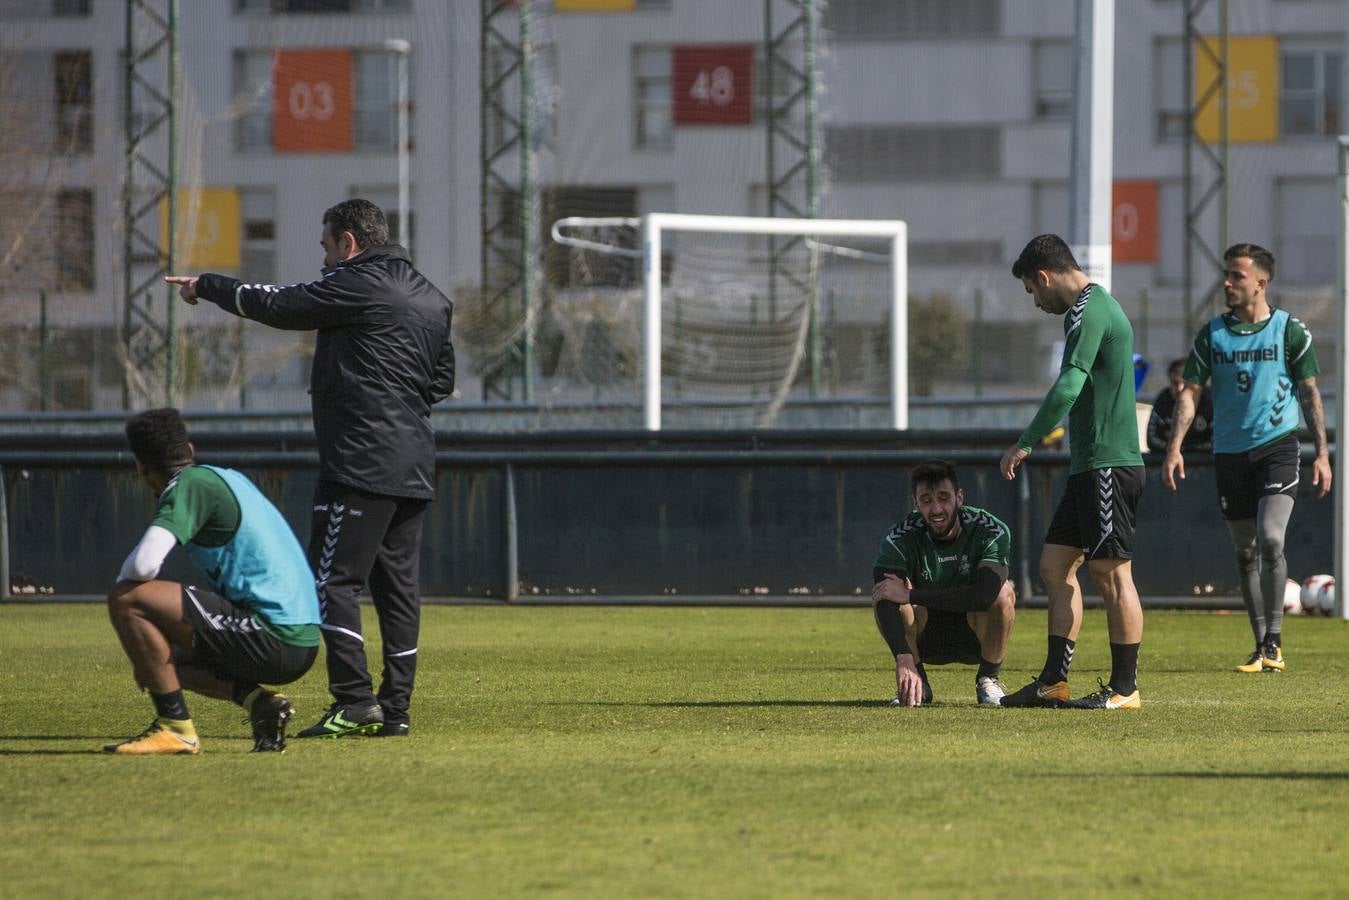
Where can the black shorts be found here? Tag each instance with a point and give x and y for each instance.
(1243, 478)
(231, 643)
(1098, 512)
(948, 638)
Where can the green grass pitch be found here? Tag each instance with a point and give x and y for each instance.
(662, 752)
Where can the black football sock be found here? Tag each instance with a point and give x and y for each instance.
(245, 692)
(171, 705)
(1273, 639)
(1057, 661)
(1124, 668)
(987, 669)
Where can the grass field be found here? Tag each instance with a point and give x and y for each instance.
(621, 752)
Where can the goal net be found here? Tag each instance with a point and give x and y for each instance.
(728, 322)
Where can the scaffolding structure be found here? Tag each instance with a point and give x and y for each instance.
(1203, 189)
(149, 190)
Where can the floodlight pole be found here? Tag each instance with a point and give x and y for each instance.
(402, 48)
(1342, 391)
(1089, 209)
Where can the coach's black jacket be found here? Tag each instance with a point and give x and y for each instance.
(382, 358)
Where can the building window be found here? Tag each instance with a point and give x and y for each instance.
(74, 100)
(653, 116)
(1053, 80)
(889, 19)
(323, 6)
(913, 152)
(1170, 93)
(375, 115)
(253, 96)
(72, 9)
(75, 240)
(1308, 217)
(257, 208)
(1310, 97)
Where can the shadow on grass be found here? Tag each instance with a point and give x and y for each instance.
(716, 704)
(61, 737)
(96, 751)
(1251, 776)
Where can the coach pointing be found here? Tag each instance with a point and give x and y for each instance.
(383, 357)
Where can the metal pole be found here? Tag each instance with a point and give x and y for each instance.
(171, 254)
(1093, 133)
(651, 331)
(402, 48)
(529, 210)
(1187, 174)
(43, 375)
(1342, 391)
(1224, 113)
(812, 193)
(1023, 583)
(978, 342)
(512, 539)
(4, 536)
(899, 330)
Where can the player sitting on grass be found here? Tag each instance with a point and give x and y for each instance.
(259, 621)
(941, 593)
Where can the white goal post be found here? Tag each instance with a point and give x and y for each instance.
(654, 225)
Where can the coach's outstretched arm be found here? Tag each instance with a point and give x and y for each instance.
(338, 298)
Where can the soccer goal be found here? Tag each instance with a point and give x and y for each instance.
(736, 316)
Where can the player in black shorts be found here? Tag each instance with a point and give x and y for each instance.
(258, 624)
(941, 592)
(1094, 522)
(1255, 356)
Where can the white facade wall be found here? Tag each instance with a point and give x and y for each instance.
(985, 81)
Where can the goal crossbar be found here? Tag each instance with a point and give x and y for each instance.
(654, 224)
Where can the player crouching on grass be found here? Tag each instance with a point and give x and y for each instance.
(941, 593)
(259, 621)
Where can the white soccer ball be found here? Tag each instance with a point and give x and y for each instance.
(1326, 598)
(1312, 589)
(1292, 598)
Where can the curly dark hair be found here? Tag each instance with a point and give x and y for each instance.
(362, 218)
(932, 472)
(158, 440)
(1045, 251)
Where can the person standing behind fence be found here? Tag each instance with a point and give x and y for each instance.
(1163, 416)
(383, 357)
(1095, 517)
(1254, 356)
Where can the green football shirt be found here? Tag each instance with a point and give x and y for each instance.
(909, 551)
(1102, 422)
(198, 507)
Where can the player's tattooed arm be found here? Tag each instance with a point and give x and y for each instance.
(1312, 410)
(1314, 413)
(1173, 467)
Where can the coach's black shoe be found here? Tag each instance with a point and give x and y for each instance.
(392, 729)
(268, 716)
(339, 720)
(1050, 696)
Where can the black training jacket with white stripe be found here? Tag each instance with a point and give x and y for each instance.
(383, 357)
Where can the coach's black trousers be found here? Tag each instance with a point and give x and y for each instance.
(360, 540)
